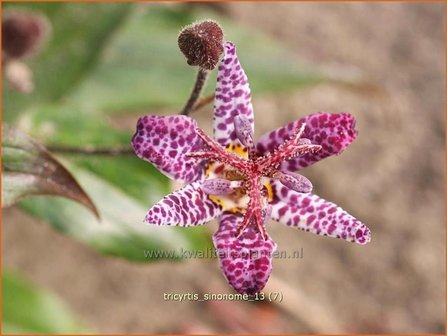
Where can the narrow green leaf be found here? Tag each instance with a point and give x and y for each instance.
(29, 169)
(28, 309)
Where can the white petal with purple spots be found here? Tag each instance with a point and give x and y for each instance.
(164, 141)
(188, 206)
(246, 261)
(314, 214)
(232, 97)
(334, 132)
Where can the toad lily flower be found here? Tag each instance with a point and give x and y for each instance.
(244, 184)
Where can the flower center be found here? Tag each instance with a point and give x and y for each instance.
(238, 177)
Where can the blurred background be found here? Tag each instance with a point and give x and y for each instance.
(101, 66)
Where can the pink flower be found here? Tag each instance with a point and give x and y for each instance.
(243, 183)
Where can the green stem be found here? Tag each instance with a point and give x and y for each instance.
(91, 150)
(202, 75)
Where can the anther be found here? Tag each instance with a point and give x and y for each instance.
(220, 186)
(293, 181)
(244, 132)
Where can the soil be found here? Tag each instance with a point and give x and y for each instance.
(391, 177)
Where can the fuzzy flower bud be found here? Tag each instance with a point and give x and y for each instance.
(23, 33)
(202, 44)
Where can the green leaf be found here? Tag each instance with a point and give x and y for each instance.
(65, 125)
(59, 125)
(29, 169)
(121, 231)
(28, 309)
(135, 177)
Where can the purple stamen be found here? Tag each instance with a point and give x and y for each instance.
(252, 169)
(244, 132)
(293, 181)
(220, 186)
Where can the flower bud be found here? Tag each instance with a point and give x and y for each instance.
(202, 44)
(19, 76)
(22, 33)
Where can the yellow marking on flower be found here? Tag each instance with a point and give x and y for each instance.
(216, 200)
(231, 203)
(237, 149)
(209, 169)
(237, 201)
(269, 188)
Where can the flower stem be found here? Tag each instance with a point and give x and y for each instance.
(202, 75)
(202, 102)
(91, 150)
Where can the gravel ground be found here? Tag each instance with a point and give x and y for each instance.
(392, 178)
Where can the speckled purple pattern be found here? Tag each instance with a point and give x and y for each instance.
(311, 213)
(232, 97)
(188, 206)
(164, 141)
(246, 261)
(334, 132)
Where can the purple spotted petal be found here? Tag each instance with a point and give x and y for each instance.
(245, 261)
(311, 213)
(185, 207)
(334, 132)
(164, 141)
(232, 97)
